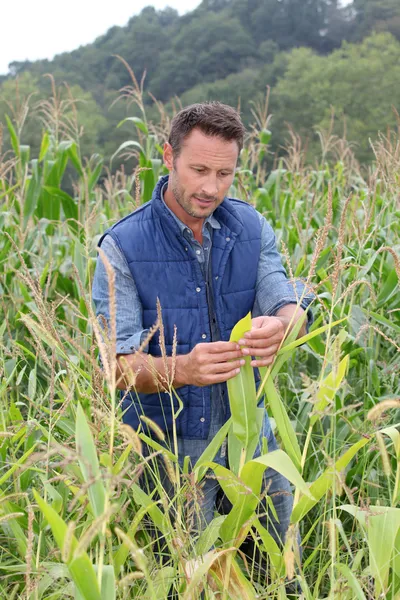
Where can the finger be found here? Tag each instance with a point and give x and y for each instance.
(225, 356)
(218, 347)
(262, 352)
(263, 342)
(222, 377)
(226, 366)
(274, 327)
(265, 362)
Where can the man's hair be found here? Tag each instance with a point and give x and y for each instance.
(212, 118)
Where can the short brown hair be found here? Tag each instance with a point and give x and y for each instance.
(212, 118)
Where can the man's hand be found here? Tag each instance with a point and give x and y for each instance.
(209, 363)
(263, 340)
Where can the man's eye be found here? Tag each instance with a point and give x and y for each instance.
(198, 170)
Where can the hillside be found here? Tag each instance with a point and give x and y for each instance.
(231, 49)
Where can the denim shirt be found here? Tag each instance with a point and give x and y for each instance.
(273, 291)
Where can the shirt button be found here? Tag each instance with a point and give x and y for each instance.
(216, 277)
(186, 248)
(197, 251)
(228, 239)
(204, 336)
(202, 420)
(198, 289)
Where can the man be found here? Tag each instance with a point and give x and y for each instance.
(209, 259)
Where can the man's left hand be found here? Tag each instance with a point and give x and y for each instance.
(264, 340)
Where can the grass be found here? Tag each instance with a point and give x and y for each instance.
(73, 520)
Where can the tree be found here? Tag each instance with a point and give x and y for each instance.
(360, 81)
(376, 15)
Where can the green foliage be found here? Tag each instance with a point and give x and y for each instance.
(74, 519)
(230, 51)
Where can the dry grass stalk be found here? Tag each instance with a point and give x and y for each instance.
(125, 581)
(46, 310)
(387, 469)
(289, 265)
(136, 552)
(69, 536)
(339, 247)
(375, 413)
(29, 585)
(158, 377)
(92, 531)
(395, 258)
(154, 427)
(133, 438)
(352, 286)
(386, 337)
(321, 236)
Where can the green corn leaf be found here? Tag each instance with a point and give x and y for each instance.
(56, 498)
(329, 387)
(32, 193)
(242, 393)
(127, 144)
(138, 122)
(382, 524)
(351, 580)
(321, 485)
(44, 146)
(80, 567)
(285, 428)
(89, 463)
(394, 435)
(210, 535)
(162, 582)
(17, 464)
(108, 584)
(383, 320)
(146, 502)
(388, 289)
(211, 450)
(309, 336)
(271, 547)
(14, 530)
(74, 157)
(158, 447)
(235, 447)
(280, 462)
(13, 136)
(244, 491)
(123, 551)
(69, 206)
(94, 176)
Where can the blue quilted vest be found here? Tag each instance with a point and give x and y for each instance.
(164, 266)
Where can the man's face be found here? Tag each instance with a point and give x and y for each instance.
(202, 174)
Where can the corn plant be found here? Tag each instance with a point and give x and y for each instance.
(75, 521)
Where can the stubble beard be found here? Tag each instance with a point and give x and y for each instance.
(184, 203)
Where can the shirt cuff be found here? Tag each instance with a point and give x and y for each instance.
(133, 343)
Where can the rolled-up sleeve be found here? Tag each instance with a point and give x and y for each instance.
(129, 311)
(273, 289)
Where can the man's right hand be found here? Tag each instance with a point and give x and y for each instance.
(209, 363)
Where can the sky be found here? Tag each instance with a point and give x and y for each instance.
(43, 28)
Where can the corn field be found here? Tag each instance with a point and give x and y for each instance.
(74, 522)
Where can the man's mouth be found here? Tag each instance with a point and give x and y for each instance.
(204, 202)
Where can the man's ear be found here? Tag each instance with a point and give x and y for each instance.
(168, 156)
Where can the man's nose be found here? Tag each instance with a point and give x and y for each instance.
(210, 186)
